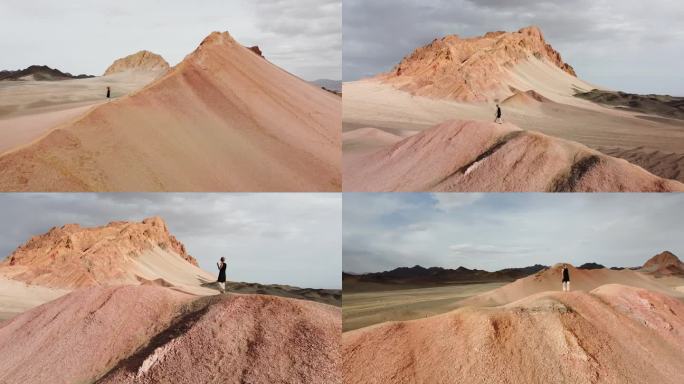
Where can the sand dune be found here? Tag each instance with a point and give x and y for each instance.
(17, 297)
(224, 119)
(613, 334)
(17, 131)
(364, 139)
(525, 99)
(478, 156)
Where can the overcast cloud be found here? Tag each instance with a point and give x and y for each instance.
(86, 36)
(268, 238)
(629, 45)
(382, 231)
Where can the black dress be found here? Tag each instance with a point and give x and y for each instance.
(222, 273)
(566, 275)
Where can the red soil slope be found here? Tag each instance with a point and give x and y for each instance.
(613, 334)
(80, 336)
(472, 156)
(245, 339)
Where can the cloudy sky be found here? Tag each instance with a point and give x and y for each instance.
(86, 36)
(268, 238)
(629, 45)
(499, 230)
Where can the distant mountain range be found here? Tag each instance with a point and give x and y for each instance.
(418, 275)
(39, 72)
(665, 263)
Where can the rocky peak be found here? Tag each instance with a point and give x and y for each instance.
(256, 50)
(139, 61)
(471, 69)
(217, 38)
(663, 259)
(112, 241)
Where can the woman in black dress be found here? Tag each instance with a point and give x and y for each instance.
(566, 278)
(223, 286)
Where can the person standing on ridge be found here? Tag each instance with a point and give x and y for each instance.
(498, 115)
(108, 92)
(566, 278)
(223, 286)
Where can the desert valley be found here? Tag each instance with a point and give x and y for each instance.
(616, 325)
(223, 119)
(137, 308)
(428, 124)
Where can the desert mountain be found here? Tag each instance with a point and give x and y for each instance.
(139, 61)
(664, 264)
(224, 119)
(482, 68)
(151, 334)
(612, 334)
(40, 73)
(482, 156)
(121, 252)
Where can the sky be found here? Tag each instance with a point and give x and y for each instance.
(267, 237)
(86, 36)
(628, 45)
(492, 231)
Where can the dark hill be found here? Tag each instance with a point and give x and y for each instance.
(591, 266)
(40, 72)
(663, 105)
